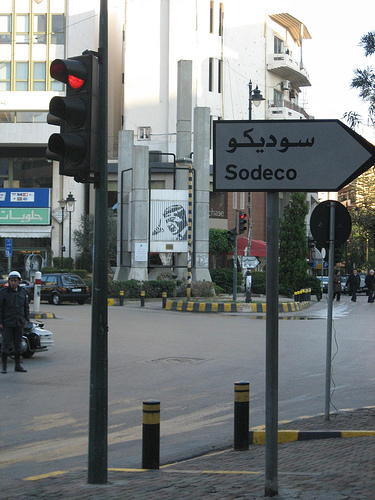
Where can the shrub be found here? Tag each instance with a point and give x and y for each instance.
(224, 279)
(314, 283)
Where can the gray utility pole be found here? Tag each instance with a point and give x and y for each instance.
(235, 258)
(98, 414)
(331, 263)
(272, 343)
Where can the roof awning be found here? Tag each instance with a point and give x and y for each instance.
(25, 232)
(258, 247)
(293, 25)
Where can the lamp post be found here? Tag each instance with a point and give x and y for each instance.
(70, 207)
(256, 98)
(62, 204)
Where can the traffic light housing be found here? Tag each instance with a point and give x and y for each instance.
(242, 222)
(232, 235)
(75, 145)
(310, 242)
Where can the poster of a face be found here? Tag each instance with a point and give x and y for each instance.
(173, 223)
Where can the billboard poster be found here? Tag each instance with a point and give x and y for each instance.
(169, 220)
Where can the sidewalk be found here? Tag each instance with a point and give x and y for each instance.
(328, 469)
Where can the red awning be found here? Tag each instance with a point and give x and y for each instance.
(258, 247)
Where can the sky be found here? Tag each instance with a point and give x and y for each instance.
(333, 53)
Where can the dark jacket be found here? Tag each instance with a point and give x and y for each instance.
(370, 281)
(14, 307)
(337, 283)
(354, 281)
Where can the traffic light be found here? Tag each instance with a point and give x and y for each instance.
(242, 222)
(310, 242)
(232, 235)
(77, 116)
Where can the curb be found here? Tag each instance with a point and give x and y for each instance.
(45, 315)
(289, 436)
(185, 306)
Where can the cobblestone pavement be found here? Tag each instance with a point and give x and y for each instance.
(341, 468)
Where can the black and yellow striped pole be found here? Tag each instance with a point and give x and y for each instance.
(151, 435)
(143, 294)
(164, 299)
(189, 235)
(241, 415)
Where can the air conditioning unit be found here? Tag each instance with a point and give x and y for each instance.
(285, 84)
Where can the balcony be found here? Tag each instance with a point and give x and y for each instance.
(285, 110)
(288, 68)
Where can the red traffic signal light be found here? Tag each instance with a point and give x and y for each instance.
(242, 222)
(70, 71)
(77, 116)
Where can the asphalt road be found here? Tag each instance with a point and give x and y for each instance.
(188, 361)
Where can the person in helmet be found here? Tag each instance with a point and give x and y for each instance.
(14, 316)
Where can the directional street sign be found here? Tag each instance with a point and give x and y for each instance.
(8, 247)
(288, 155)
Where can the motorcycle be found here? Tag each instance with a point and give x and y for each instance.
(35, 338)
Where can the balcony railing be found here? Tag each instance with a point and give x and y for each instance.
(284, 109)
(289, 68)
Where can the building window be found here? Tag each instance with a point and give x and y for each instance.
(7, 116)
(144, 133)
(220, 76)
(22, 29)
(221, 19)
(278, 45)
(40, 28)
(31, 116)
(211, 74)
(278, 98)
(6, 28)
(4, 76)
(39, 76)
(57, 86)
(212, 8)
(22, 75)
(234, 201)
(57, 35)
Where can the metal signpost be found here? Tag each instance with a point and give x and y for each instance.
(283, 155)
(8, 252)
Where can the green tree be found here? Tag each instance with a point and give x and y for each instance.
(364, 82)
(293, 249)
(84, 237)
(219, 243)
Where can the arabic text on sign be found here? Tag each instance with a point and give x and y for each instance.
(284, 145)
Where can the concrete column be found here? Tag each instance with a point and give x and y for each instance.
(201, 163)
(140, 215)
(183, 141)
(132, 213)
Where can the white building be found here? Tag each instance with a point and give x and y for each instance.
(229, 43)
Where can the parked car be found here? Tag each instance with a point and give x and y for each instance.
(61, 287)
(323, 283)
(34, 339)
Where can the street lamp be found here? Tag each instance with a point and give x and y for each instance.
(62, 204)
(255, 97)
(70, 207)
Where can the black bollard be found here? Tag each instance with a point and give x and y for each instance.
(164, 299)
(151, 435)
(121, 297)
(241, 415)
(143, 293)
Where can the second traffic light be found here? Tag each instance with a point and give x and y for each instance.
(77, 116)
(242, 222)
(232, 235)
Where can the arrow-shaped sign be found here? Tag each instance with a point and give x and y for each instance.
(288, 155)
